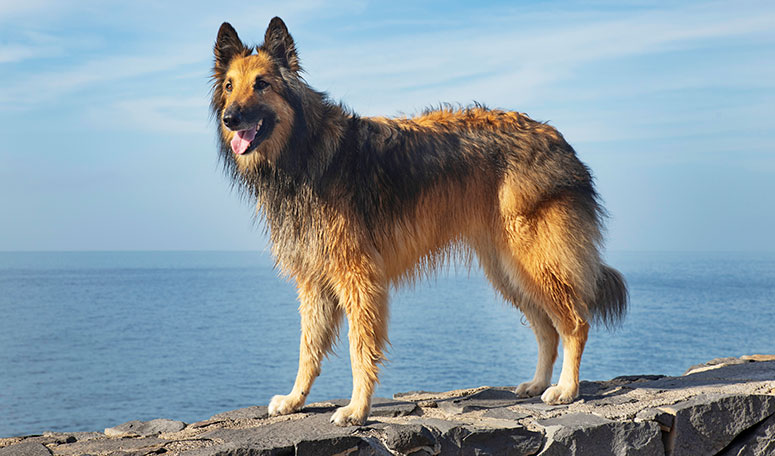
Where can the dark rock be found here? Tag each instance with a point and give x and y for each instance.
(438, 426)
(435, 436)
(323, 407)
(715, 362)
(494, 394)
(628, 379)
(281, 435)
(339, 445)
(708, 423)
(85, 436)
(25, 449)
(756, 441)
(413, 393)
(53, 438)
(104, 445)
(206, 423)
(145, 428)
(140, 452)
(724, 375)
(585, 434)
(507, 441)
(422, 452)
(505, 414)
(411, 438)
(388, 407)
(448, 434)
(59, 438)
(257, 412)
(612, 399)
(485, 399)
(237, 450)
(536, 405)
(573, 421)
(589, 388)
(664, 419)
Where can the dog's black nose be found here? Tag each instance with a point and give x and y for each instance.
(231, 119)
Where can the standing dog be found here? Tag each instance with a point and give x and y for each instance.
(357, 204)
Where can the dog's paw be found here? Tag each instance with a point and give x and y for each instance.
(531, 389)
(284, 405)
(556, 395)
(349, 416)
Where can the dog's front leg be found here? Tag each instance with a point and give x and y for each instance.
(365, 300)
(320, 319)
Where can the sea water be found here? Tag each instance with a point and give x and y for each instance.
(89, 340)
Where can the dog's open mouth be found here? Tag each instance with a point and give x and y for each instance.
(245, 141)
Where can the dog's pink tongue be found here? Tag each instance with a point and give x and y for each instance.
(242, 139)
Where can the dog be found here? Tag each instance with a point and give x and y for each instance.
(354, 205)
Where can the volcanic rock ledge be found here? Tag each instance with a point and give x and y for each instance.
(724, 407)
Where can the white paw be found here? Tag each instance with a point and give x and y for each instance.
(284, 405)
(555, 395)
(531, 389)
(349, 416)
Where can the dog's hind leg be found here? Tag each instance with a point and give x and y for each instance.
(567, 389)
(320, 319)
(493, 264)
(555, 260)
(559, 313)
(548, 339)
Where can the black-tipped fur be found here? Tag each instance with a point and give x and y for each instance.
(279, 43)
(610, 304)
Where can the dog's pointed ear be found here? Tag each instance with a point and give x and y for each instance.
(227, 46)
(279, 44)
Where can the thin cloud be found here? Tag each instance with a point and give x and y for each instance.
(522, 58)
(526, 60)
(151, 53)
(157, 114)
(49, 85)
(16, 53)
(11, 10)
(29, 45)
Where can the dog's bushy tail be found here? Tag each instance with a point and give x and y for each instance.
(611, 300)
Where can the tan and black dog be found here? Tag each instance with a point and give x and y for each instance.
(355, 205)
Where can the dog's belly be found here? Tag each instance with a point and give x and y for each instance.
(443, 225)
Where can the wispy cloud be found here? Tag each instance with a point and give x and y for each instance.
(49, 85)
(170, 115)
(157, 47)
(28, 45)
(25, 9)
(15, 53)
(505, 58)
(526, 57)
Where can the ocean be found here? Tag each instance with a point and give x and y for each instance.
(89, 340)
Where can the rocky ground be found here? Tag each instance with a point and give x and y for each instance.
(723, 407)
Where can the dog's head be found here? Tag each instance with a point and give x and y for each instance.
(250, 93)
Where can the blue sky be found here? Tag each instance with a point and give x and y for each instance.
(106, 142)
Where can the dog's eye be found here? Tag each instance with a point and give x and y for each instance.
(228, 87)
(261, 84)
